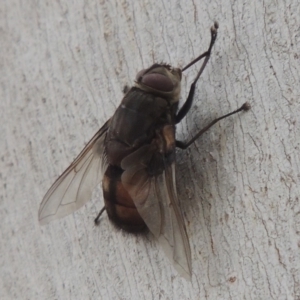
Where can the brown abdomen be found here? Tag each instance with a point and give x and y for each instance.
(118, 203)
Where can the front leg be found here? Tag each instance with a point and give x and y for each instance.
(189, 101)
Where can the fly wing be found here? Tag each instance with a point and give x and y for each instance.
(75, 186)
(155, 198)
(173, 237)
(141, 187)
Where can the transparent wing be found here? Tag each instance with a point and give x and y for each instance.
(141, 187)
(156, 200)
(75, 186)
(173, 237)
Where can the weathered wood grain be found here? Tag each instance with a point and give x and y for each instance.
(63, 65)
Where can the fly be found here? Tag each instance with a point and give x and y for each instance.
(134, 156)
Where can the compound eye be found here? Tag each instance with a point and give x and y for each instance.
(158, 82)
(140, 74)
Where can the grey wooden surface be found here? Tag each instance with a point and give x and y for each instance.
(63, 65)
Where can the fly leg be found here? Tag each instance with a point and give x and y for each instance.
(245, 107)
(99, 215)
(189, 101)
(126, 89)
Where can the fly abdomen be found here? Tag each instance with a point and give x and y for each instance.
(118, 203)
